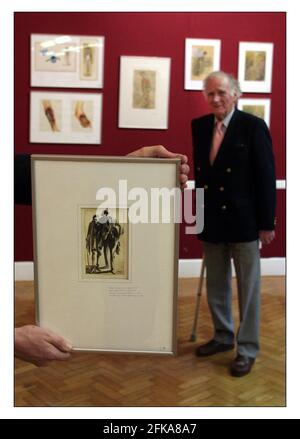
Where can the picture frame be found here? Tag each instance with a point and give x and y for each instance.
(255, 67)
(67, 61)
(257, 107)
(144, 92)
(134, 309)
(202, 57)
(65, 117)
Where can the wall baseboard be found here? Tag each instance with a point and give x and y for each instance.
(280, 184)
(187, 268)
(24, 271)
(269, 267)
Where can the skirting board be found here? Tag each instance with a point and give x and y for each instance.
(187, 268)
(280, 184)
(269, 267)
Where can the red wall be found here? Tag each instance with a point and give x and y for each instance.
(151, 34)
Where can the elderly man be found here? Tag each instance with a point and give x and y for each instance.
(234, 164)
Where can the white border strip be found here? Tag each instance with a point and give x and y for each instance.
(269, 267)
(280, 184)
(24, 271)
(187, 268)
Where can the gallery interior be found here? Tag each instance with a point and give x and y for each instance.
(107, 84)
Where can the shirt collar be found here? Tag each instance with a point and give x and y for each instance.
(227, 119)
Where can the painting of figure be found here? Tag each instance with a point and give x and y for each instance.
(89, 59)
(202, 62)
(255, 69)
(104, 243)
(144, 89)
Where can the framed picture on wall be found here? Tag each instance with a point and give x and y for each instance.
(258, 107)
(65, 117)
(201, 58)
(104, 278)
(144, 92)
(255, 67)
(67, 61)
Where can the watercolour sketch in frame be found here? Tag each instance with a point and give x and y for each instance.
(129, 305)
(65, 117)
(89, 59)
(255, 67)
(67, 61)
(104, 243)
(144, 89)
(202, 57)
(144, 92)
(258, 107)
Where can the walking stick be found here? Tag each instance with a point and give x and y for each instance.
(199, 293)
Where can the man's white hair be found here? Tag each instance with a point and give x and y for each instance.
(234, 85)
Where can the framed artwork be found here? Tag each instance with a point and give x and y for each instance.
(65, 117)
(255, 67)
(258, 107)
(67, 61)
(202, 57)
(144, 92)
(105, 278)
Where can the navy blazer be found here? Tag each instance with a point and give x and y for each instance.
(240, 186)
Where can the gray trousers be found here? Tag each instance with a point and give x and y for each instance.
(246, 260)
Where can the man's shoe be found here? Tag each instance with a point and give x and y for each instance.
(241, 365)
(212, 347)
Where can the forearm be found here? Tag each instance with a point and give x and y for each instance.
(22, 179)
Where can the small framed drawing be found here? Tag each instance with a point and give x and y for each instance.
(67, 61)
(105, 264)
(144, 92)
(255, 67)
(65, 117)
(202, 57)
(258, 107)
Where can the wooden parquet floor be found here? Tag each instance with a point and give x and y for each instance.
(90, 379)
